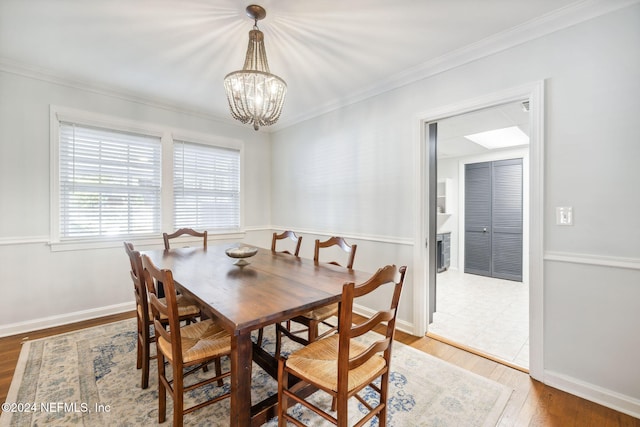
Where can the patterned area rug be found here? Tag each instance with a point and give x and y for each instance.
(89, 378)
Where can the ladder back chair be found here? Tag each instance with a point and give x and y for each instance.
(288, 234)
(314, 318)
(181, 232)
(187, 312)
(284, 235)
(142, 314)
(176, 234)
(336, 241)
(186, 349)
(342, 366)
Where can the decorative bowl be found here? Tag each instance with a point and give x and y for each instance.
(240, 253)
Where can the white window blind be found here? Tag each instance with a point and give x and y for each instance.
(109, 183)
(206, 186)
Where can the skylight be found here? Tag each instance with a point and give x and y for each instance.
(500, 138)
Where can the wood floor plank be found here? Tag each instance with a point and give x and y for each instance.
(531, 403)
(520, 384)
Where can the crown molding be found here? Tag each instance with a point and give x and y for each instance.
(30, 71)
(560, 19)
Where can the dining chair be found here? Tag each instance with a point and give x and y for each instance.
(186, 349)
(342, 365)
(187, 312)
(336, 241)
(181, 232)
(314, 318)
(288, 234)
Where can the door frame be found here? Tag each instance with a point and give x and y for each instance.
(423, 241)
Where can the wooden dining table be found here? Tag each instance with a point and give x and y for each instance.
(272, 288)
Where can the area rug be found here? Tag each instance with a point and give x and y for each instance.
(89, 378)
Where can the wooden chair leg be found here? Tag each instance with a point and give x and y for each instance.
(219, 371)
(145, 364)
(139, 357)
(260, 336)
(343, 415)
(384, 388)
(178, 398)
(278, 340)
(162, 391)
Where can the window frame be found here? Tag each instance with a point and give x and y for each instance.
(206, 185)
(217, 142)
(166, 135)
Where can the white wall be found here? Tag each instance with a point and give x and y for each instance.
(351, 172)
(39, 287)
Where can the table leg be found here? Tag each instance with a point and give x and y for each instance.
(241, 358)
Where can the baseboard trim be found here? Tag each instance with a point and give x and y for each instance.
(63, 319)
(611, 399)
(401, 325)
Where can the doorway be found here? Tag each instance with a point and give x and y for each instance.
(482, 233)
(425, 198)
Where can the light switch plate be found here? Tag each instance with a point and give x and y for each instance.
(564, 215)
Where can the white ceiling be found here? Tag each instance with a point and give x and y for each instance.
(452, 130)
(329, 52)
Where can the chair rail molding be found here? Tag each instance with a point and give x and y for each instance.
(589, 259)
(346, 235)
(23, 240)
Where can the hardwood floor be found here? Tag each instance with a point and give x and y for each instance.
(531, 404)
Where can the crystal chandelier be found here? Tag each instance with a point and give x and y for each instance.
(254, 94)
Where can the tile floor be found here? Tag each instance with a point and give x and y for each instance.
(490, 315)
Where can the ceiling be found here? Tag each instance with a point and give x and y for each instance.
(452, 130)
(330, 52)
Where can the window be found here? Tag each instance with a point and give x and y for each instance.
(109, 183)
(114, 179)
(206, 186)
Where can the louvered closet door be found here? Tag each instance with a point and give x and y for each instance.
(506, 249)
(477, 213)
(493, 219)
